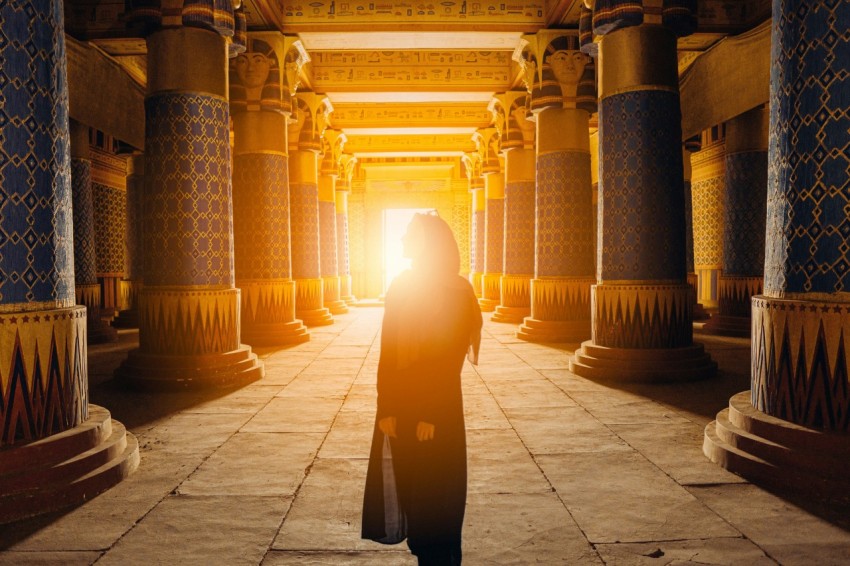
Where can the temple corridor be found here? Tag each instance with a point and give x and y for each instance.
(562, 469)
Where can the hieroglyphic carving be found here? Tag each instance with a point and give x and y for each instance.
(394, 115)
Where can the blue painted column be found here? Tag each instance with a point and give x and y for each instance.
(641, 304)
(565, 239)
(343, 189)
(688, 147)
(260, 104)
(790, 430)
(494, 219)
(517, 143)
(305, 143)
(744, 223)
(189, 309)
(46, 420)
(328, 173)
(132, 283)
(86, 286)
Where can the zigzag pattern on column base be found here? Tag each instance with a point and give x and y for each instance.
(777, 453)
(315, 317)
(171, 373)
(555, 331)
(699, 309)
(735, 294)
(491, 291)
(345, 290)
(510, 315)
(67, 468)
(275, 334)
(658, 365)
(331, 296)
(642, 316)
(724, 325)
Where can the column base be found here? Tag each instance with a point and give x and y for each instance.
(555, 331)
(491, 285)
(280, 334)
(331, 296)
(510, 315)
(725, 325)
(67, 468)
(126, 319)
(700, 313)
(209, 371)
(475, 279)
(309, 302)
(687, 363)
(98, 331)
(316, 317)
(777, 453)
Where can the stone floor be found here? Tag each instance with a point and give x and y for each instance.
(562, 470)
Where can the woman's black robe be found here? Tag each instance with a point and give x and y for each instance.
(429, 327)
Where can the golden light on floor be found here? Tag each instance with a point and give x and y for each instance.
(395, 223)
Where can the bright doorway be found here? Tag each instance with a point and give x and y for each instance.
(394, 227)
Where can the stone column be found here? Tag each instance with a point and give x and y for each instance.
(708, 194)
(641, 305)
(494, 218)
(343, 189)
(790, 430)
(565, 241)
(688, 147)
(57, 448)
(744, 221)
(109, 197)
(86, 285)
(477, 223)
(305, 143)
(518, 249)
(189, 309)
(328, 173)
(131, 285)
(261, 231)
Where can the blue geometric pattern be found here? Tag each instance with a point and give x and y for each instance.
(565, 239)
(304, 211)
(641, 190)
(495, 234)
(679, 16)
(746, 194)
(519, 228)
(189, 236)
(476, 252)
(85, 258)
(327, 238)
(809, 149)
(261, 216)
(35, 172)
(110, 221)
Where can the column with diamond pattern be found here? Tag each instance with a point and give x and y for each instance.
(46, 420)
(517, 143)
(473, 162)
(189, 309)
(565, 239)
(131, 285)
(260, 105)
(641, 306)
(790, 429)
(494, 218)
(343, 189)
(309, 113)
(333, 141)
(744, 221)
(86, 286)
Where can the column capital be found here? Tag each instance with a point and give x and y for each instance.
(267, 74)
(346, 163)
(487, 143)
(510, 112)
(310, 115)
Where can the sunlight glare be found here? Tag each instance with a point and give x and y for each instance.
(395, 226)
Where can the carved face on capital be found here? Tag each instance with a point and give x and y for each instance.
(567, 67)
(253, 69)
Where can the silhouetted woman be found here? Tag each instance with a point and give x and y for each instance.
(416, 481)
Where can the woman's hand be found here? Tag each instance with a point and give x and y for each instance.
(424, 431)
(387, 426)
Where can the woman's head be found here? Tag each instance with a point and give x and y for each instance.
(431, 245)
